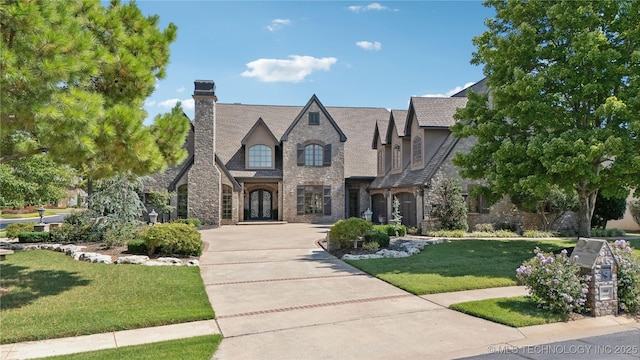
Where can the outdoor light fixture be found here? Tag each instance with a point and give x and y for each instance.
(367, 214)
(41, 211)
(153, 217)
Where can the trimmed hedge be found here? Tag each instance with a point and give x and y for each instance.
(172, 239)
(390, 230)
(13, 230)
(345, 231)
(33, 237)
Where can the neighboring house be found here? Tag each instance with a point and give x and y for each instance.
(306, 163)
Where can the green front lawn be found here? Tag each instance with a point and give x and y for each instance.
(49, 295)
(458, 265)
(196, 348)
(515, 311)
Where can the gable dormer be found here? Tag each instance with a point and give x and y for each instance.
(314, 114)
(394, 140)
(260, 147)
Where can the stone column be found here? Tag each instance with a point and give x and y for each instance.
(204, 177)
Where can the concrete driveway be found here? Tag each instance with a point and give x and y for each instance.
(277, 295)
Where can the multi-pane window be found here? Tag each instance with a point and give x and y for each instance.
(417, 150)
(313, 155)
(314, 118)
(226, 202)
(260, 156)
(381, 161)
(314, 200)
(396, 157)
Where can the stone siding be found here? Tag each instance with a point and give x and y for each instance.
(204, 177)
(294, 175)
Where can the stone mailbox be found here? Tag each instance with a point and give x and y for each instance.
(595, 258)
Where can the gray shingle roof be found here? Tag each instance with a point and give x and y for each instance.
(436, 112)
(481, 87)
(235, 120)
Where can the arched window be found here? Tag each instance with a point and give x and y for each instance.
(417, 150)
(260, 156)
(227, 207)
(313, 155)
(183, 192)
(396, 157)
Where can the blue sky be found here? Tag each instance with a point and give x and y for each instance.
(348, 53)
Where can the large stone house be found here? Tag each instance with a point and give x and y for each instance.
(320, 164)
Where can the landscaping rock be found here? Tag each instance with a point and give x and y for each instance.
(133, 259)
(169, 261)
(399, 248)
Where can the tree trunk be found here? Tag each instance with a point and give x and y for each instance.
(586, 206)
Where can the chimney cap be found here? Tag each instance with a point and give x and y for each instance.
(204, 88)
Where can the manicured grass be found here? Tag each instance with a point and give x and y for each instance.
(458, 265)
(196, 348)
(35, 214)
(50, 295)
(515, 311)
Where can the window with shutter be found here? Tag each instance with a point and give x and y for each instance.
(314, 118)
(300, 155)
(327, 155)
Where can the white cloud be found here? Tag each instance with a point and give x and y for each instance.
(149, 102)
(293, 70)
(170, 103)
(372, 6)
(368, 45)
(455, 90)
(277, 24)
(180, 89)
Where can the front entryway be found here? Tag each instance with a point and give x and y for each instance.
(260, 205)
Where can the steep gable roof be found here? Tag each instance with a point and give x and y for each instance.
(259, 123)
(481, 87)
(233, 121)
(434, 112)
(397, 120)
(314, 99)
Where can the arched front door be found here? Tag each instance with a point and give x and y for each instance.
(260, 205)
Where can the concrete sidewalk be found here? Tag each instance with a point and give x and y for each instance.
(277, 295)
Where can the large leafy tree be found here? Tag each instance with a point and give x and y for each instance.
(564, 101)
(74, 76)
(34, 180)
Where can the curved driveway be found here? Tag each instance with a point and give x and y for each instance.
(278, 296)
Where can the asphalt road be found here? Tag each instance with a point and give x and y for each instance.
(47, 219)
(619, 346)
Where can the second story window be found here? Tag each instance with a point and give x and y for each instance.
(381, 161)
(313, 155)
(417, 150)
(314, 118)
(395, 159)
(260, 156)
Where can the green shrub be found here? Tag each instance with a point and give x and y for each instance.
(506, 234)
(537, 234)
(33, 237)
(484, 234)
(371, 246)
(172, 239)
(13, 230)
(87, 217)
(607, 232)
(412, 230)
(189, 221)
(119, 233)
(390, 229)
(484, 227)
(628, 277)
(447, 233)
(345, 231)
(380, 238)
(137, 247)
(68, 233)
